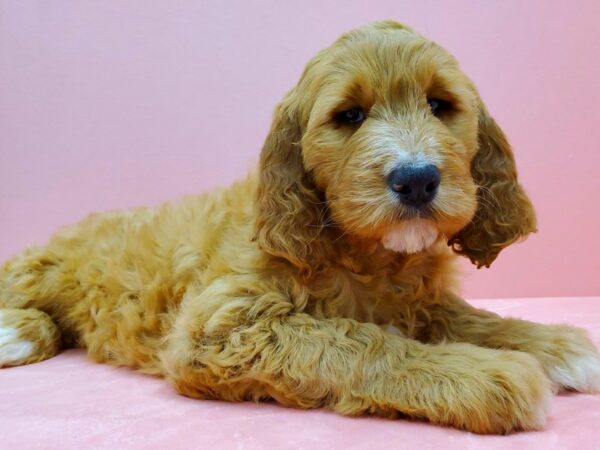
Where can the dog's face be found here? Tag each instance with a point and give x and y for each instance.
(390, 137)
(385, 138)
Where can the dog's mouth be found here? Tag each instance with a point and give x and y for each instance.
(411, 236)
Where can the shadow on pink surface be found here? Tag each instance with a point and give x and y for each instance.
(71, 403)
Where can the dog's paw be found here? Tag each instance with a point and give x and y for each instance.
(494, 391)
(26, 336)
(513, 394)
(578, 372)
(570, 359)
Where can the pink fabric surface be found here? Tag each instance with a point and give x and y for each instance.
(69, 402)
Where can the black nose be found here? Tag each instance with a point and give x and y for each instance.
(416, 185)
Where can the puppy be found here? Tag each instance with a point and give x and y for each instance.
(326, 278)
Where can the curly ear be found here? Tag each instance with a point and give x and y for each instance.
(504, 214)
(288, 209)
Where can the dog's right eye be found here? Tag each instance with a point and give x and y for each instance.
(352, 115)
(439, 106)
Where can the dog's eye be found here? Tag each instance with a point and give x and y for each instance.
(352, 115)
(439, 106)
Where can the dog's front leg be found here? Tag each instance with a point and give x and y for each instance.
(231, 345)
(566, 353)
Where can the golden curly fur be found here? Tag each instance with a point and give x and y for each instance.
(287, 285)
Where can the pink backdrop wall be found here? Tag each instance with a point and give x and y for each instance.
(115, 104)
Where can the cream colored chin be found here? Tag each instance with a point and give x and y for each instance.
(411, 236)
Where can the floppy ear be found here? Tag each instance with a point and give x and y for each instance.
(288, 210)
(504, 213)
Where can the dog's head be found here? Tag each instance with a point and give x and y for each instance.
(385, 138)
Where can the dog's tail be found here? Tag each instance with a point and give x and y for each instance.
(27, 334)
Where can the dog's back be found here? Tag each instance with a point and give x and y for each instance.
(112, 283)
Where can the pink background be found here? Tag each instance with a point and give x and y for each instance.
(117, 104)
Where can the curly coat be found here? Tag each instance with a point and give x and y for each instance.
(287, 286)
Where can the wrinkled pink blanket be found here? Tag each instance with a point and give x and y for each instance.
(69, 402)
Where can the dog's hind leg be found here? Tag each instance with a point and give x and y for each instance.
(27, 336)
(27, 333)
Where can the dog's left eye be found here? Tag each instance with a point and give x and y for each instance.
(352, 115)
(439, 106)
